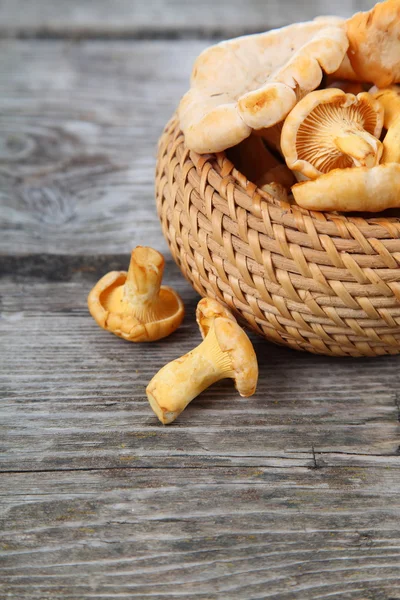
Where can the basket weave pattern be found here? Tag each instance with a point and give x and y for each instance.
(325, 283)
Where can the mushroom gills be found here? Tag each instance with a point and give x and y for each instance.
(338, 140)
(329, 129)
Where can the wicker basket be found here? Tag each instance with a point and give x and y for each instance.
(321, 282)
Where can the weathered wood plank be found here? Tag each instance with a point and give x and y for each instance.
(79, 126)
(162, 17)
(78, 395)
(287, 534)
(291, 494)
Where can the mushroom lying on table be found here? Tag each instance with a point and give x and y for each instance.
(226, 352)
(389, 98)
(329, 129)
(133, 305)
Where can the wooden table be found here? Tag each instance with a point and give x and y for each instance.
(291, 494)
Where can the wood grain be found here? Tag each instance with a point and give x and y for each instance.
(78, 396)
(163, 18)
(292, 494)
(202, 533)
(79, 126)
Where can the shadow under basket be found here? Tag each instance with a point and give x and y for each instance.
(322, 282)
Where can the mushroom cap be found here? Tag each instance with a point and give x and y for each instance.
(233, 340)
(252, 82)
(374, 43)
(310, 129)
(207, 311)
(109, 291)
(359, 189)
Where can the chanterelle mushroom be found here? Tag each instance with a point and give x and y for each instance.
(374, 43)
(133, 304)
(360, 189)
(252, 82)
(389, 98)
(329, 129)
(226, 352)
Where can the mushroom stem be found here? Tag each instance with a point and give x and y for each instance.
(180, 381)
(363, 148)
(144, 278)
(329, 129)
(140, 294)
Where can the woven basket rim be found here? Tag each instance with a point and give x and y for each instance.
(249, 197)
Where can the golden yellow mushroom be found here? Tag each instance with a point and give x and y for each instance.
(374, 43)
(226, 352)
(347, 190)
(390, 100)
(133, 305)
(329, 129)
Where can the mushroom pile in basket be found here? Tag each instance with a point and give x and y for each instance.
(309, 112)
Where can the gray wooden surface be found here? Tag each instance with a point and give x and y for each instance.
(292, 494)
(161, 18)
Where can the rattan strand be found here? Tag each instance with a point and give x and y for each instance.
(320, 282)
